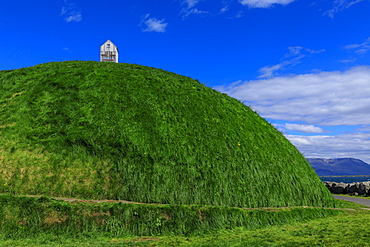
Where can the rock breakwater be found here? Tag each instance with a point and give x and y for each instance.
(359, 188)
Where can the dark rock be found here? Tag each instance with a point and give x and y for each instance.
(339, 188)
(366, 186)
(359, 188)
(353, 194)
(353, 187)
(329, 185)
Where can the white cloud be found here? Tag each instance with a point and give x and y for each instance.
(324, 98)
(340, 5)
(224, 9)
(190, 3)
(188, 12)
(355, 145)
(70, 12)
(74, 16)
(189, 9)
(300, 51)
(303, 128)
(348, 60)
(269, 71)
(63, 11)
(360, 48)
(292, 58)
(365, 128)
(153, 24)
(264, 3)
(239, 14)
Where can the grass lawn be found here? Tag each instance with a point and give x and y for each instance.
(347, 229)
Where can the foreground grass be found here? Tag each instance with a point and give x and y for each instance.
(23, 217)
(347, 229)
(342, 230)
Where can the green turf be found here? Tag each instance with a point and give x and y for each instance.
(341, 229)
(28, 217)
(123, 131)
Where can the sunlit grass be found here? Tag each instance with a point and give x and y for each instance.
(343, 229)
(30, 217)
(123, 131)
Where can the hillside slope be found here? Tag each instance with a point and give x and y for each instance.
(123, 131)
(339, 166)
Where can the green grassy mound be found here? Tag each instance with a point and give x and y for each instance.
(123, 131)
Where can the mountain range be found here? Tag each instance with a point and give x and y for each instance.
(339, 166)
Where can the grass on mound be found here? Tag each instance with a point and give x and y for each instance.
(123, 131)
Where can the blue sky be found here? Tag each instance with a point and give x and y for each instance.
(302, 65)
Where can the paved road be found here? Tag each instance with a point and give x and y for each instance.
(365, 202)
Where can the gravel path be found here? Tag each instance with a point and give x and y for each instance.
(365, 202)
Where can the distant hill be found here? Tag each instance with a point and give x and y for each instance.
(340, 167)
(123, 131)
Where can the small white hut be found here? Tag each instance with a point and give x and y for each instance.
(108, 52)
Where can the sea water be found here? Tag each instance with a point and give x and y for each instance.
(345, 179)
